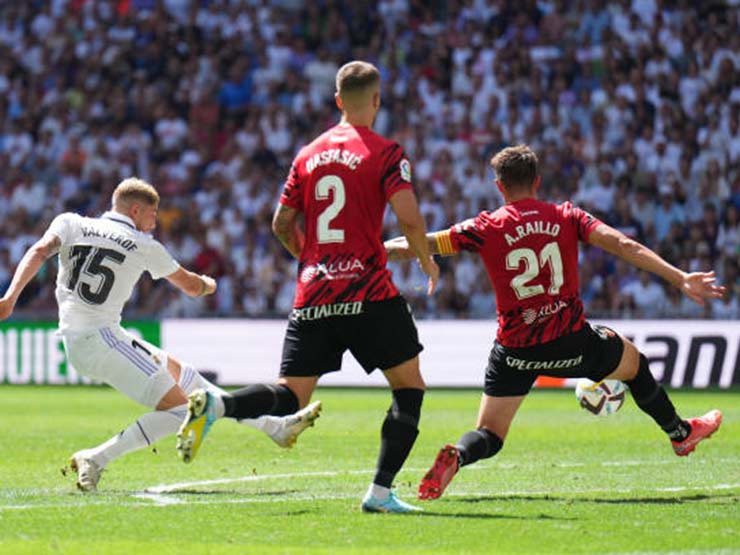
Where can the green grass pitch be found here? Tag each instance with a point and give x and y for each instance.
(566, 482)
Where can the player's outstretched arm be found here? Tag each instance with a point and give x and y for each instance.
(412, 226)
(285, 226)
(437, 241)
(696, 285)
(192, 284)
(28, 267)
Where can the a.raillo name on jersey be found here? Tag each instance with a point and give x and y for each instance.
(333, 156)
(538, 226)
(123, 242)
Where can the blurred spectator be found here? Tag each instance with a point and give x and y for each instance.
(633, 107)
(647, 295)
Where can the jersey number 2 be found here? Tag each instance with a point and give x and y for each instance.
(323, 187)
(95, 268)
(549, 255)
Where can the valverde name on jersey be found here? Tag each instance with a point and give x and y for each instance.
(123, 242)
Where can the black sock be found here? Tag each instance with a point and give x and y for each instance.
(653, 400)
(476, 445)
(398, 434)
(260, 399)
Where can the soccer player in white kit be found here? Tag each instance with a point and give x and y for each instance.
(100, 261)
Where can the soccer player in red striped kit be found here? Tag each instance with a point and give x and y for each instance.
(330, 218)
(530, 250)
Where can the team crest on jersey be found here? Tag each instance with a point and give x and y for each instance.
(405, 167)
(604, 333)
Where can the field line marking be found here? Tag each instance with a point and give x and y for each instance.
(146, 499)
(164, 488)
(171, 488)
(149, 499)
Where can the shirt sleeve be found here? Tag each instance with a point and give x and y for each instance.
(584, 222)
(396, 171)
(160, 262)
(292, 195)
(61, 226)
(469, 235)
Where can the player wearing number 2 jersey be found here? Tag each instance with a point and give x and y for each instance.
(100, 261)
(338, 186)
(341, 182)
(530, 249)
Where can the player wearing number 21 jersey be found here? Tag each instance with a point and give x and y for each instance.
(530, 249)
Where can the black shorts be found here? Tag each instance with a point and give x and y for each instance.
(593, 352)
(379, 334)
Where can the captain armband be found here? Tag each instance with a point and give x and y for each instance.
(444, 243)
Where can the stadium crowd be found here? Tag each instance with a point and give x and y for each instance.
(633, 107)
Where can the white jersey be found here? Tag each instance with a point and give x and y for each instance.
(100, 261)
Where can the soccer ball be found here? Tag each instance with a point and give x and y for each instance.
(600, 398)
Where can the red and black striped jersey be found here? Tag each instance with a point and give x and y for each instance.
(530, 250)
(341, 183)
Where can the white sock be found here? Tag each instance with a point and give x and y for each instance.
(379, 492)
(268, 424)
(190, 380)
(148, 429)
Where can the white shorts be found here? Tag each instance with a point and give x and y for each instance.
(133, 366)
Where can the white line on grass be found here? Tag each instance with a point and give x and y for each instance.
(172, 488)
(165, 495)
(148, 499)
(169, 499)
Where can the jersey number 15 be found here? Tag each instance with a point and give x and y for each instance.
(90, 260)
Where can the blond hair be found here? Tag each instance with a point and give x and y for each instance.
(133, 189)
(355, 79)
(515, 167)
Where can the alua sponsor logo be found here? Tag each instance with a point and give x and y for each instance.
(530, 315)
(336, 270)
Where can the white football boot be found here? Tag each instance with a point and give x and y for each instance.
(88, 471)
(291, 426)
